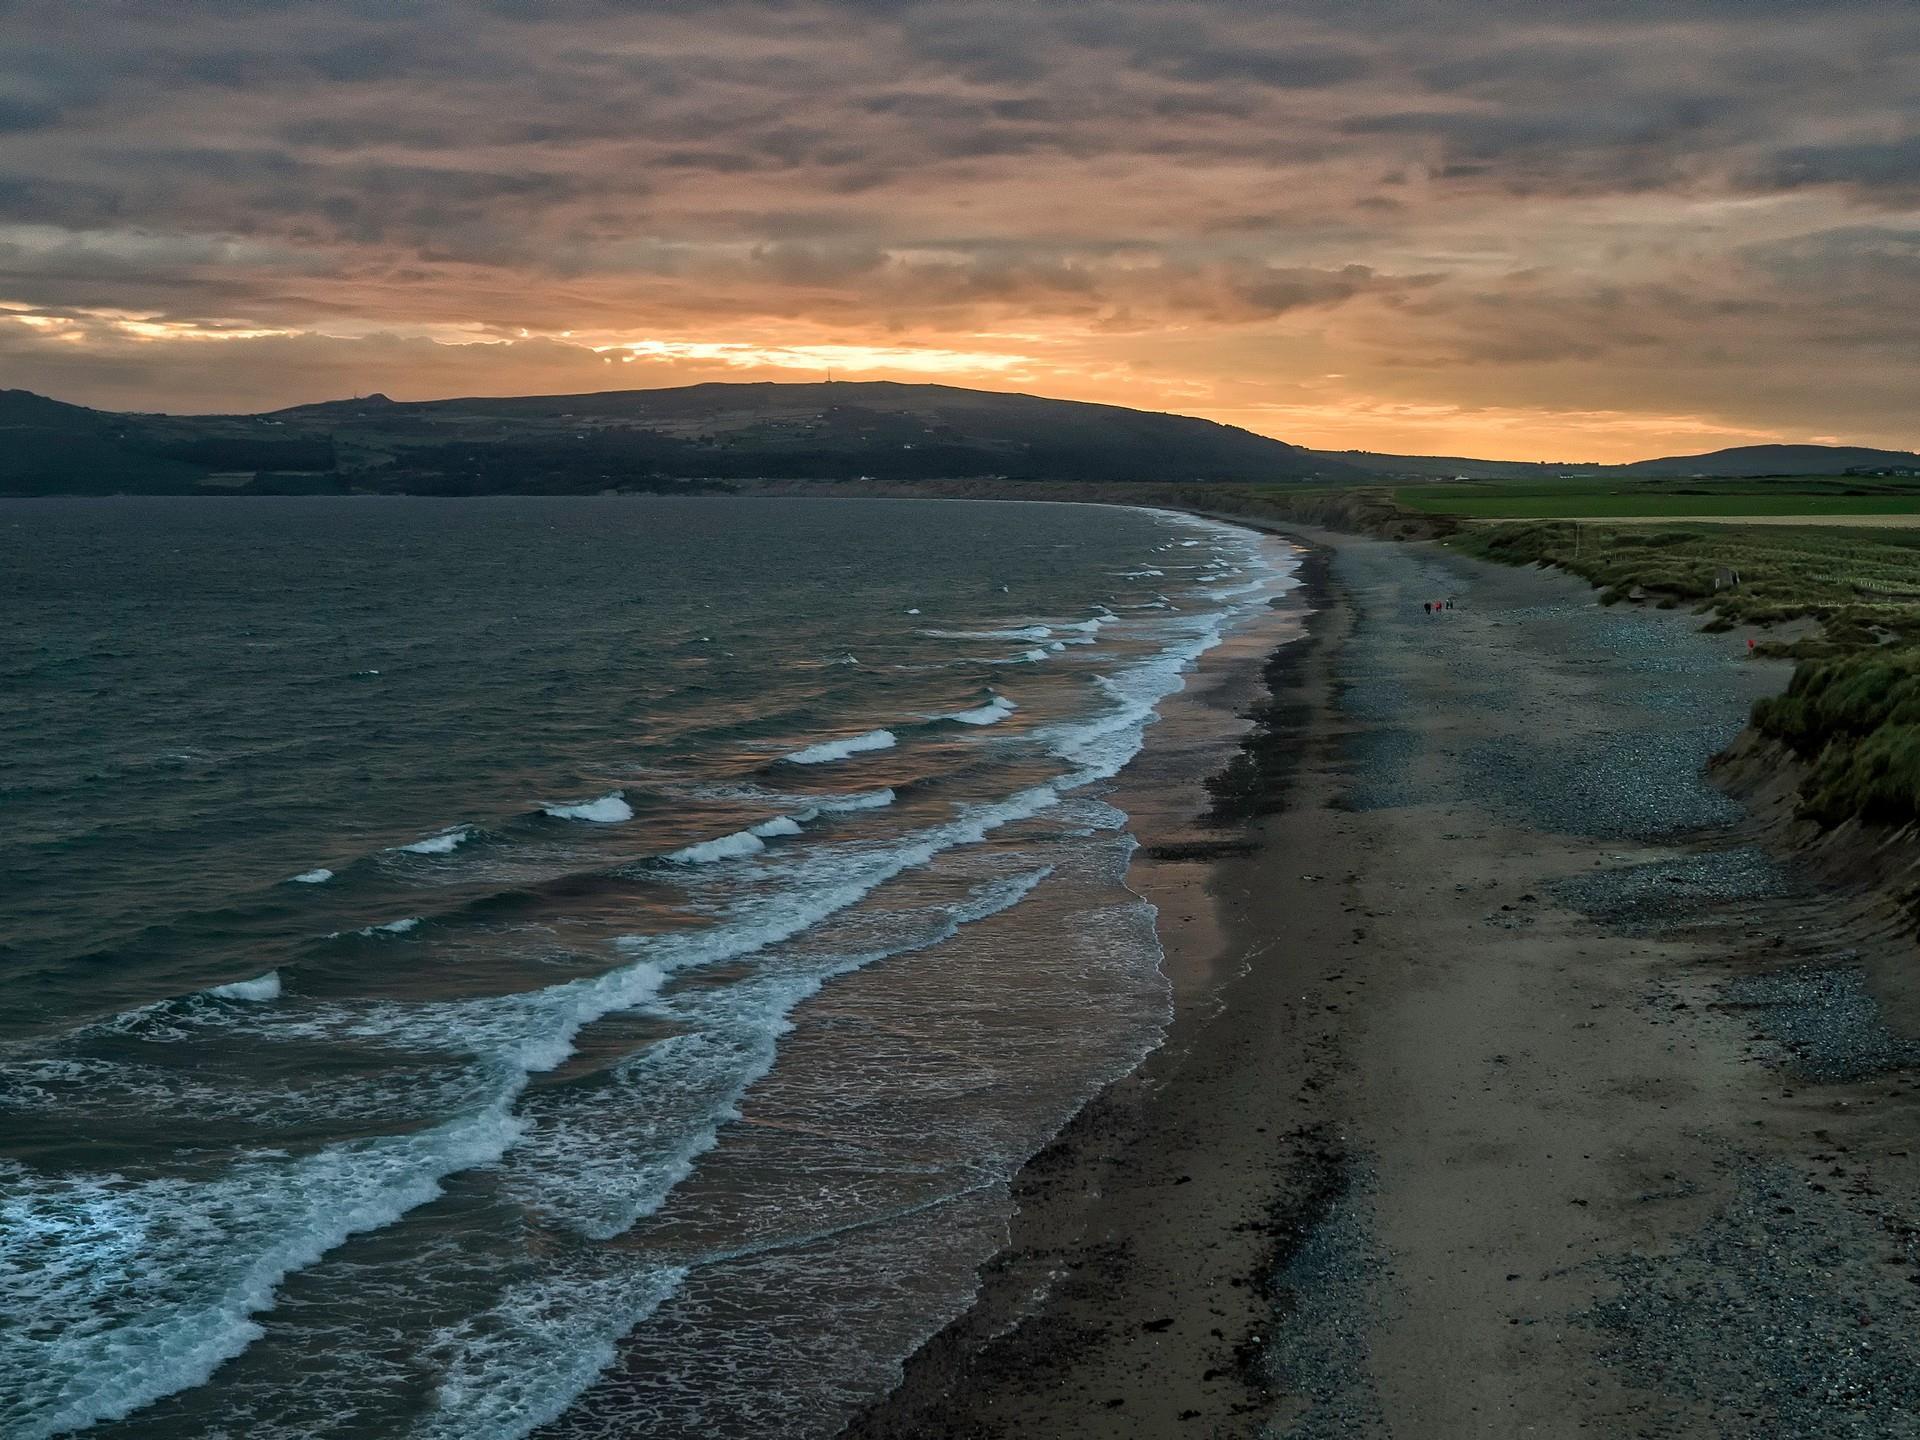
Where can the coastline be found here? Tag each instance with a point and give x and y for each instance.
(1106, 1212)
(1516, 1086)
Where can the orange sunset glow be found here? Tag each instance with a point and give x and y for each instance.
(1536, 232)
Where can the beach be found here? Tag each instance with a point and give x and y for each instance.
(1522, 1081)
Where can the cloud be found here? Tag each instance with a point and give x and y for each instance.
(1883, 171)
(1167, 199)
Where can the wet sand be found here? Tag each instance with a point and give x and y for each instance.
(1514, 1087)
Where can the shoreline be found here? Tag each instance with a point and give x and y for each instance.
(1523, 1089)
(1064, 1258)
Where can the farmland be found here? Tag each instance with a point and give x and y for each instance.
(1810, 497)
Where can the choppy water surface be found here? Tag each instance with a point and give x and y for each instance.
(585, 966)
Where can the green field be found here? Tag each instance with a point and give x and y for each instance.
(1815, 497)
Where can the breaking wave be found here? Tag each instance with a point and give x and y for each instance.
(261, 987)
(828, 751)
(444, 843)
(607, 810)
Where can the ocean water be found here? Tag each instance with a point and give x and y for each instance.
(576, 967)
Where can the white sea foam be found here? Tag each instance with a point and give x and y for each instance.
(727, 847)
(991, 713)
(261, 987)
(1099, 747)
(444, 843)
(828, 751)
(1024, 632)
(312, 877)
(1033, 657)
(187, 1264)
(568, 1168)
(158, 1280)
(914, 611)
(392, 927)
(520, 1363)
(861, 800)
(799, 810)
(607, 810)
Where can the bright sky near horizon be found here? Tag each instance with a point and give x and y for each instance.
(1537, 229)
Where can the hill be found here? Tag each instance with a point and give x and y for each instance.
(1756, 460)
(689, 438)
(1739, 462)
(715, 436)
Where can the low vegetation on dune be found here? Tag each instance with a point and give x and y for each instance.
(1863, 586)
(1855, 719)
(1852, 710)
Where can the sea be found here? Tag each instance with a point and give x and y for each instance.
(575, 967)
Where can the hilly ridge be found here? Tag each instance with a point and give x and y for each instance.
(1743, 460)
(720, 437)
(689, 438)
(1740, 461)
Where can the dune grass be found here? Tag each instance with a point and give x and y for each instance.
(1852, 709)
(1863, 586)
(1856, 720)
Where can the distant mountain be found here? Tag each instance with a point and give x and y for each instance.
(1740, 461)
(1773, 460)
(698, 436)
(707, 437)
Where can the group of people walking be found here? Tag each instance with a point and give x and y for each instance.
(1434, 607)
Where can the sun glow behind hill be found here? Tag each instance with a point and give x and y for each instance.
(867, 360)
(270, 366)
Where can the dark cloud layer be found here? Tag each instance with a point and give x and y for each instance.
(1539, 221)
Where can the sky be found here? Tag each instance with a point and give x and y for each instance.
(1530, 229)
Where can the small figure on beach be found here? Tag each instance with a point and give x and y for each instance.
(1427, 605)
(1449, 602)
